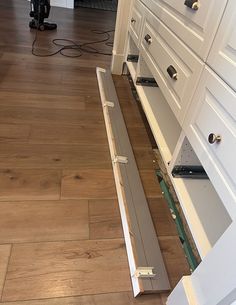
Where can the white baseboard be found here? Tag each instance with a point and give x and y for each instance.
(63, 3)
(117, 63)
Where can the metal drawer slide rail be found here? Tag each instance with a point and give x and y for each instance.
(147, 269)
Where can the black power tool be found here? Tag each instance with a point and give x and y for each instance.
(40, 10)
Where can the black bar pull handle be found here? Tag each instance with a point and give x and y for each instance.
(193, 4)
(148, 39)
(172, 72)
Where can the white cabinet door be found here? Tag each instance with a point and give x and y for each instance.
(196, 28)
(222, 57)
(136, 21)
(210, 126)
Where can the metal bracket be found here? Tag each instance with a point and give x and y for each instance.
(186, 171)
(146, 81)
(108, 104)
(132, 58)
(144, 272)
(120, 159)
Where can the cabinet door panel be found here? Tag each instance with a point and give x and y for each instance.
(196, 28)
(136, 20)
(213, 112)
(165, 51)
(222, 57)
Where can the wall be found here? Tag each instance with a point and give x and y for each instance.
(63, 3)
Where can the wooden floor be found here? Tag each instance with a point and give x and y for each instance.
(61, 240)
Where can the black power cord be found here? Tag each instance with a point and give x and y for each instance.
(79, 48)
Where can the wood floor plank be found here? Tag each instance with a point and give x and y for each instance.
(14, 133)
(120, 298)
(57, 156)
(31, 115)
(175, 260)
(104, 219)
(138, 136)
(150, 184)
(145, 158)
(68, 134)
(161, 216)
(51, 120)
(57, 269)
(34, 221)
(5, 251)
(164, 297)
(29, 185)
(88, 184)
(43, 100)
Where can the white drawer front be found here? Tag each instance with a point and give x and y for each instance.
(136, 21)
(165, 50)
(196, 28)
(223, 53)
(213, 112)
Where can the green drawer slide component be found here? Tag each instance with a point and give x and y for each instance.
(179, 224)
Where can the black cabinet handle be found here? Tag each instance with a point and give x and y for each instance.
(213, 138)
(133, 20)
(172, 72)
(193, 4)
(148, 39)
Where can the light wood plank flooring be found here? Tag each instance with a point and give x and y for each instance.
(61, 240)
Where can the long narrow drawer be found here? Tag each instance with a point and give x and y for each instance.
(136, 21)
(211, 128)
(176, 69)
(195, 22)
(222, 57)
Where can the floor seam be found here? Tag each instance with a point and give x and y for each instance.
(5, 279)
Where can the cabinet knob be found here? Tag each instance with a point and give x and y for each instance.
(133, 20)
(213, 138)
(193, 4)
(172, 72)
(148, 39)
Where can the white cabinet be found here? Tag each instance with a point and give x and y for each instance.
(222, 57)
(211, 129)
(195, 27)
(136, 21)
(175, 67)
(191, 53)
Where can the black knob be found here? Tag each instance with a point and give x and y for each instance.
(133, 20)
(172, 72)
(213, 138)
(148, 39)
(193, 4)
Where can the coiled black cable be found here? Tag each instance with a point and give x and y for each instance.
(66, 45)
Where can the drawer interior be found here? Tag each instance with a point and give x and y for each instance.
(164, 125)
(132, 56)
(205, 213)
